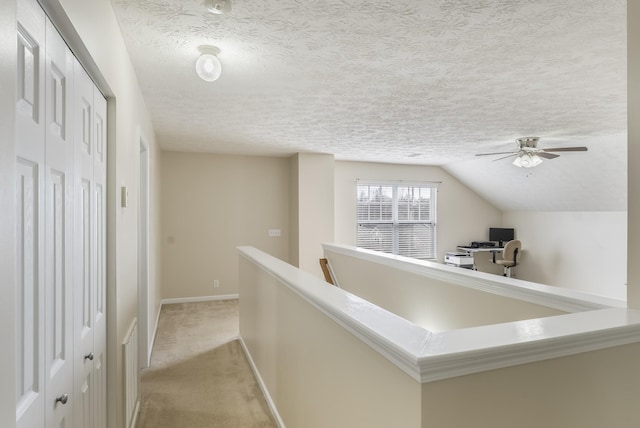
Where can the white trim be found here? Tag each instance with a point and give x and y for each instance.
(428, 356)
(559, 298)
(144, 218)
(133, 325)
(131, 374)
(199, 299)
(382, 182)
(154, 335)
(558, 336)
(263, 386)
(136, 413)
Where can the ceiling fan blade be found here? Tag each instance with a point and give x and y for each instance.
(497, 153)
(566, 149)
(547, 155)
(504, 157)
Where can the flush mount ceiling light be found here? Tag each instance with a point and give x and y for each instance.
(218, 7)
(208, 65)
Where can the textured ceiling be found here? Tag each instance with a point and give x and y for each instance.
(417, 82)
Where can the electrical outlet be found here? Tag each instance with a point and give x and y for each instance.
(274, 233)
(216, 283)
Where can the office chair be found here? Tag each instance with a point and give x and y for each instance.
(510, 256)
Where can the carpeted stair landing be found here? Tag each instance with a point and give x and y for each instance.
(199, 376)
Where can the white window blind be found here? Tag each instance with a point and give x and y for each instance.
(397, 219)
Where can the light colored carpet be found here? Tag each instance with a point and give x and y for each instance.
(199, 376)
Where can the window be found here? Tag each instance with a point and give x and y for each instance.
(398, 218)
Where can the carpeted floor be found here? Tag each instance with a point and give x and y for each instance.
(199, 376)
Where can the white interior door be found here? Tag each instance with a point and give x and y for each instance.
(58, 280)
(90, 111)
(85, 276)
(44, 223)
(30, 393)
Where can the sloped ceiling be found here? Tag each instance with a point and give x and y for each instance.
(416, 82)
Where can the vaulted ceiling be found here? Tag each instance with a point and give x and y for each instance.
(408, 81)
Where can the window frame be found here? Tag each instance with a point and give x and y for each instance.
(395, 222)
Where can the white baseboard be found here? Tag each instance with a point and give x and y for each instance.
(263, 387)
(199, 299)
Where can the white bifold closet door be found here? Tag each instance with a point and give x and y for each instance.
(30, 220)
(61, 231)
(58, 228)
(90, 110)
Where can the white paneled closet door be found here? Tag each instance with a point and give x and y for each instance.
(30, 257)
(58, 282)
(90, 246)
(61, 233)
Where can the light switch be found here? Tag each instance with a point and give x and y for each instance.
(124, 197)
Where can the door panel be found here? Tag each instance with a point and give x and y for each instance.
(86, 402)
(30, 216)
(29, 373)
(91, 257)
(85, 246)
(58, 231)
(100, 402)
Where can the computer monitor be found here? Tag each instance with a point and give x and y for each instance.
(501, 235)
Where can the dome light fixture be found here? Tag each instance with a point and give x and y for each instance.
(218, 7)
(208, 65)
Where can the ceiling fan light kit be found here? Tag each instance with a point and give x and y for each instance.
(527, 160)
(529, 155)
(208, 65)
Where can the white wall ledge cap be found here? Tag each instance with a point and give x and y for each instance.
(428, 356)
(374, 325)
(562, 299)
(477, 349)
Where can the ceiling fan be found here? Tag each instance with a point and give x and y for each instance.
(529, 155)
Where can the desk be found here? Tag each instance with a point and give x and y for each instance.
(472, 250)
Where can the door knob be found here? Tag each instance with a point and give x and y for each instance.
(63, 399)
(89, 356)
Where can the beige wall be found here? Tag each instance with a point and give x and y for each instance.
(294, 213)
(315, 201)
(210, 205)
(462, 216)
(584, 251)
(318, 374)
(557, 250)
(590, 390)
(430, 303)
(155, 237)
(633, 199)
